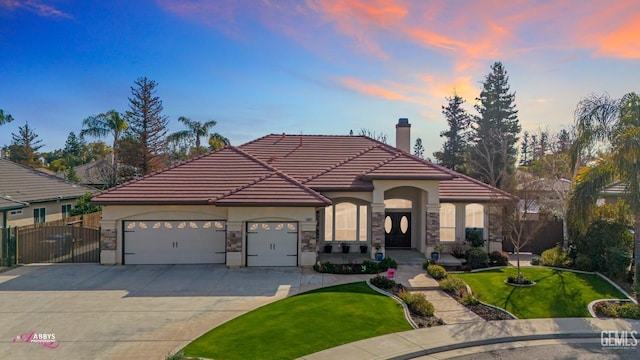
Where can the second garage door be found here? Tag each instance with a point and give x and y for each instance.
(174, 242)
(272, 244)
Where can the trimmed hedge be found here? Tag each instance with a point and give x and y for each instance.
(417, 303)
(436, 271)
(498, 258)
(477, 258)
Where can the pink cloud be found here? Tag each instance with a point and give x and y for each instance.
(34, 6)
(371, 89)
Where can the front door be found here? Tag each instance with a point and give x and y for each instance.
(397, 229)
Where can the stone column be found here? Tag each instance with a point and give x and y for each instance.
(308, 243)
(377, 227)
(433, 226)
(108, 243)
(234, 244)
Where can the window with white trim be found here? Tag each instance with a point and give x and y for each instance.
(447, 222)
(346, 221)
(15, 212)
(474, 217)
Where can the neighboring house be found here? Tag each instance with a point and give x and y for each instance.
(28, 196)
(94, 173)
(276, 200)
(612, 193)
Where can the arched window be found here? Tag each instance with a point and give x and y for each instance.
(474, 219)
(447, 222)
(346, 221)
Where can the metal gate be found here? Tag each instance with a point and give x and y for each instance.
(57, 244)
(8, 247)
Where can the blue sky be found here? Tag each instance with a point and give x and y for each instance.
(311, 67)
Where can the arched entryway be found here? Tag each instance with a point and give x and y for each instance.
(397, 223)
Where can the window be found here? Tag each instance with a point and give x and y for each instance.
(474, 216)
(66, 209)
(346, 222)
(447, 222)
(15, 212)
(397, 204)
(39, 215)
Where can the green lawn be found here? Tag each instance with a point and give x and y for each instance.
(303, 324)
(557, 293)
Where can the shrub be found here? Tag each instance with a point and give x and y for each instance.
(535, 260)
(458, 251)
(513, 279)
(417, 303)
(629, 311)
(555, 257)
(382, 282)
(387, 263)
(451, 284)
(426, 264)
(499, 258)
(606, 309)
(437, 272)
(477, 258)
(474, 237)
(469, 299)
(370, 267)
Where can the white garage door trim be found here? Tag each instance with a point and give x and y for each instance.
(272, 243)
(174, 242)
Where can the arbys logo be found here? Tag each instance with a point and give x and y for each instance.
(47, 340)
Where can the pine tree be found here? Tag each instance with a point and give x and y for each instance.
(5, 117)
(418, 149)
(75, 150)
(496, 129)
(453, 151)
(24, 146)
(147, 125)
(525, 151)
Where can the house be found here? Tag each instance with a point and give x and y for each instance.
(94, 173)
(28, 196)
(276, 200)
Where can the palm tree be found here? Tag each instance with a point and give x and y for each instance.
(612, 127)
(195, 130)
(101, 125)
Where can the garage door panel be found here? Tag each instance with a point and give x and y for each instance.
(272, 244)
(174, 242)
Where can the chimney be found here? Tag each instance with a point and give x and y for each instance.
(403, 135)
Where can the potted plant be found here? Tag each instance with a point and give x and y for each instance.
(328, 248)
(379, 254)
(363, 249)
(345, 248)
(435, 254)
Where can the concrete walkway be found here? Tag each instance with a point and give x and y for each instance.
(429, 342)
(448, 309)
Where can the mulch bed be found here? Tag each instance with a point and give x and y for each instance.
(488, 313)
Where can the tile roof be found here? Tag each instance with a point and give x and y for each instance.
(291, 170)
(616, 189)
(8, 204)
(24, 184)
(228, 176)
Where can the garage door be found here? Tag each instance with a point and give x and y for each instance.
(174, 242)
(272, 244)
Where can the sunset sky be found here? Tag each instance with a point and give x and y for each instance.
(308, 67)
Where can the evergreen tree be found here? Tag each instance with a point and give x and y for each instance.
(418, 149)
(525, 151)
(5, 117)
(147, 125)
(75, 150)
(71, 175)
(496, 129)
(453, 151)
(24, 146)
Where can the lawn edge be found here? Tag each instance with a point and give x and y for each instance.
(405, 309)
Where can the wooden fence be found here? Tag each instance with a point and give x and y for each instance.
(548, 236)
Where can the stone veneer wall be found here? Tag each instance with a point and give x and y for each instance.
(309, 242)
(108, 239)
(433, 228)
(234, 241)
(377, 227)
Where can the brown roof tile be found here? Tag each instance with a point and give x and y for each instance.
(210, 179)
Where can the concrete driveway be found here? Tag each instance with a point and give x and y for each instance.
(135, 311)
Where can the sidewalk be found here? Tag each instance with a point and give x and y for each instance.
(414, 278)
(427, 341)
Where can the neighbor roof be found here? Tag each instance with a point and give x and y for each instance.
(224, 177)
(24, 184)
(279, 170)
(8, 204)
